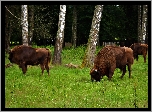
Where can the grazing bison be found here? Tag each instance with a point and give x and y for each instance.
(139, 49)
(108, 59)
(24, 55)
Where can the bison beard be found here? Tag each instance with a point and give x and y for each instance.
(25, 55)
(108, 59)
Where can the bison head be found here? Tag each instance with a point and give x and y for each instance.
(95, 75)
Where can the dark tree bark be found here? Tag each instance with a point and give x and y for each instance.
(8, 29)
(139, 23)
(74, 26)
(31, 23)
(6, 32)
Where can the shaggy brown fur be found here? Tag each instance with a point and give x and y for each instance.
(108, 59)
(25, 55)
(139, 49)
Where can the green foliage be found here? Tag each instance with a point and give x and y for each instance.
(117, 22)
(110, 24)
(73, 55)
(68, 23)
(46, 21)
(85, 15)
(72, 88)
(14, 23)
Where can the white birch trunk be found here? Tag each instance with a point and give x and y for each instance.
(24, 23)
(60, 36)
(94, 35)
(144, 21)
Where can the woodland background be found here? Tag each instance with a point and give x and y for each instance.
(119, 23)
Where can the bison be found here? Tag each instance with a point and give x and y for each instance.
(139, 49)
(23, 55)
(108, 59)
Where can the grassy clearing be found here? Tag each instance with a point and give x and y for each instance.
(72, 88)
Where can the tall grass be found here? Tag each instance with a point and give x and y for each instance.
(72, 88)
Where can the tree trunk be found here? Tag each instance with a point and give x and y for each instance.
(146, 39)
(24, 23)
(74, 26)
(91, 46)
(31, 23)
(7, 39)
(139, 23)
(8, 29)
(144, 21)
(60, 36)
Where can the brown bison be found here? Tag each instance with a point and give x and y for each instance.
(23, 55)
(108, 59)
(139, 49)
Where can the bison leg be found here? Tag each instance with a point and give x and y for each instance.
(46, 63)
(47, 68)
(111, 71)
(110, 75)
(129, 69)
(137, 58)
(124, 71)
(24, 68)
(144, 58)
(42, 68)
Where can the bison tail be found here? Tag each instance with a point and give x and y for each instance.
(132, 60)
(49, 57)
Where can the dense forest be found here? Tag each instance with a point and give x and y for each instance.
(119, 23)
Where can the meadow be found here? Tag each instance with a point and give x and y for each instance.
(72, 87)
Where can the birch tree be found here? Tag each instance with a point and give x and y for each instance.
(60, 36)
(24, 23)
(144, 21)
(92, 41)
(146, 39)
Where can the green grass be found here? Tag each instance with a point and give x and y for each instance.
(72, 88)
